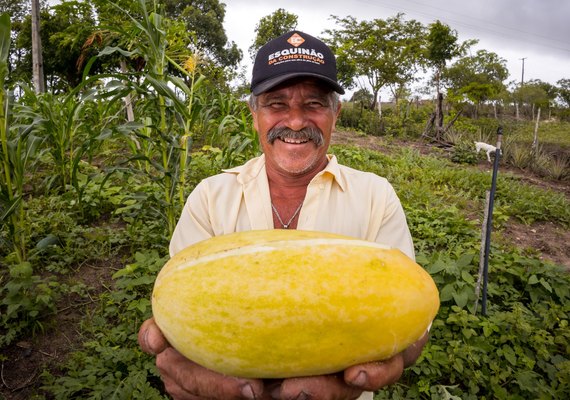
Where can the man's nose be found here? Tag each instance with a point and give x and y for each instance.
(296, 118)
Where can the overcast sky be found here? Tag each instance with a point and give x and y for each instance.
(537, 30)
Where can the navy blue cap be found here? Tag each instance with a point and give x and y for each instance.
(294, 54)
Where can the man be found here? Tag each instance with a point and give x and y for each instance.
(293, 185)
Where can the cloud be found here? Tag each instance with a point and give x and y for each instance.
(535, 29)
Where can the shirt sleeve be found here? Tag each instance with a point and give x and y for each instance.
(193, 225)
(393, 230)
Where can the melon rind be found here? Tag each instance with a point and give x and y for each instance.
(285, 303)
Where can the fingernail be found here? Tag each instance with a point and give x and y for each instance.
(247, 391)
(361, 379)
(145, 340)
(303, 396)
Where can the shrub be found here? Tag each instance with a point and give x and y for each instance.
(464, 153)
(555, 167)
(357, 117)
(518, 155)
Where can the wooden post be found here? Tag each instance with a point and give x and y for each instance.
(535, 140)
(37, 60)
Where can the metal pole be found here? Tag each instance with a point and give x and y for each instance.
(490, 219)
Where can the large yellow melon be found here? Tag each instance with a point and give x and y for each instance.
(283, 303)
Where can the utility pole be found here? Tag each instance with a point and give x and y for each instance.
(37, 60)
(522, 76)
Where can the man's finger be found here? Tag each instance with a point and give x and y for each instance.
(185, 379)
(150, 338)
(375, 375)
(325, 387)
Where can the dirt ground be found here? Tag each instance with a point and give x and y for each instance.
(546, 239)
(23, 362)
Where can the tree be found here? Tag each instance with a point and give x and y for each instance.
(476, 78)
(384, 52)
(442, 46)
(362, 96)
(205, 20)
(564, 91)
(272, 26)
(536, 94)
(16, 9)
(65, 28)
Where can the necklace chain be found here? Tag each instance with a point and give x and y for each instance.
(286, 226)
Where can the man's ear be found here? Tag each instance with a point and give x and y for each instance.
(338, 109)
(254, 115)
(337, 114)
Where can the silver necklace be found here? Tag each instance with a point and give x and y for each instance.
(286, 226)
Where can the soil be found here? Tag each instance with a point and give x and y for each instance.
(23, 362)
(547, 241)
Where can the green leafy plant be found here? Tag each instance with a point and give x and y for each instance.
(518, 350)
(111, 365)
(19, 149)
(162, 139)
(24, 299)
(464, 153)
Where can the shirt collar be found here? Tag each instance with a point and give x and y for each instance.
(251, 169)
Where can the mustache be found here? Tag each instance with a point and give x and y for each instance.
(309, 133)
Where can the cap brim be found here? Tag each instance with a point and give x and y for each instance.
(271, 83)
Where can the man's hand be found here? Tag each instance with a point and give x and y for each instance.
(354, 380)
(186, 380)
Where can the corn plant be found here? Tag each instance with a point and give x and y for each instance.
(165, 109)
(20, 149)
(72, 127)
(18, 153)
(230, 128)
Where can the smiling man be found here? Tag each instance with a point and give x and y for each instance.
(295, 184)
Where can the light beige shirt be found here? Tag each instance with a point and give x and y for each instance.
(339, 200)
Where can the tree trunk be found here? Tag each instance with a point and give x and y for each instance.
(439, 116)
(450, 124)
(37, 60)
(375, 95)
(429, 125)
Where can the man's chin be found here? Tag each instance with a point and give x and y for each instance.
(298, 166)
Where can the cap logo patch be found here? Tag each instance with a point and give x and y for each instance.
(296, 40)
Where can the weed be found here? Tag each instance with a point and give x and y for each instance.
(464, 153)
(518, 155)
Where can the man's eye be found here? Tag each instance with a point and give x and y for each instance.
(276, 104)
(316, 104)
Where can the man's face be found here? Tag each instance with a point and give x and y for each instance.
(295, 121)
